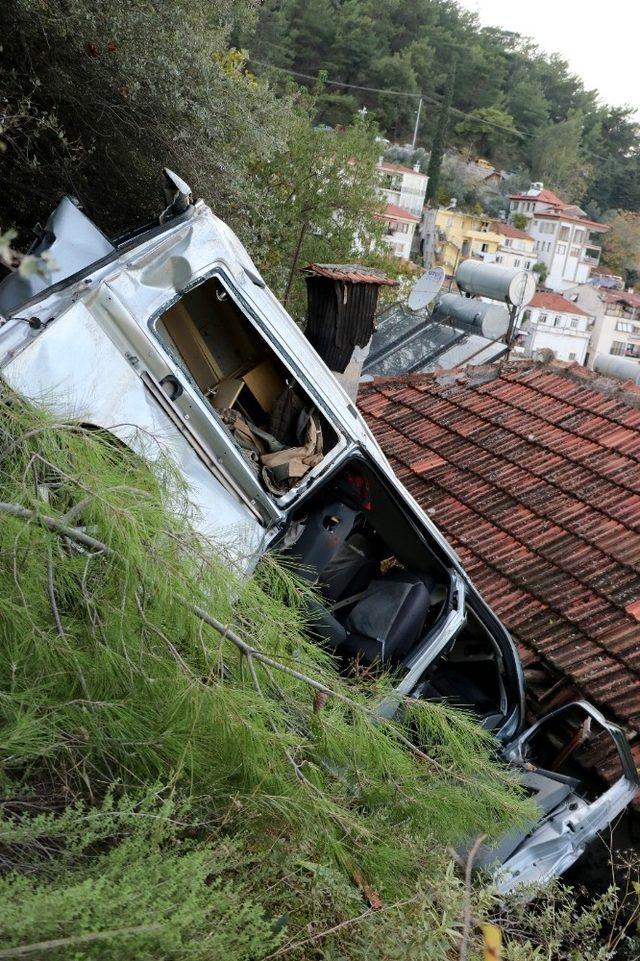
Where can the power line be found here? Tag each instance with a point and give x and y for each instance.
(524, 135)
(391, 93)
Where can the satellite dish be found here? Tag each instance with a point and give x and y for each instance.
(426, 288)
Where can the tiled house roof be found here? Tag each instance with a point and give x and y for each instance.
(547, 300)
(542, 197)
(393, 212)
(532, 472)
(508, 230)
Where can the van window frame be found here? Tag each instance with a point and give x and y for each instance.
(253, 317)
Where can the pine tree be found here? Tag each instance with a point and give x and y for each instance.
(438, 145)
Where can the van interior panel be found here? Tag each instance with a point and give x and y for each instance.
(243, 381)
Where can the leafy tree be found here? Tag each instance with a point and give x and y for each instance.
(557, 158)
(440, 137)
(621, 244)
(519, 221)
(131, 92)
(395, 72)
(321, 202)
(490, 129)
(408, 48)
(542, 271)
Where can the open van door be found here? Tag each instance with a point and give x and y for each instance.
(573, 811)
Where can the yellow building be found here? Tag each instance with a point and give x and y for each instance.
(451, 236)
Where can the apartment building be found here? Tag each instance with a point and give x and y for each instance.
(616, 325)
(517, 247)
(564, 236)
(449, 236)
(556, 323)
(403, 190)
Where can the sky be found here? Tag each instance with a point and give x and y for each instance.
(601, 42)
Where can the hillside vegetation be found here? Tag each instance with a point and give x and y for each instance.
(95, 98)
(165, 790)
(513, 104)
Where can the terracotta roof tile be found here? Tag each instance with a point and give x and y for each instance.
(543, 196)
(393, 212)
(400, 168)
(532, 472)
(508, 230)
(550, 301)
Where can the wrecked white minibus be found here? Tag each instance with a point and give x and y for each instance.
(169, 338)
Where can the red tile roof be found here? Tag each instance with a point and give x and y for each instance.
(570, 218)
(544, 197)
(533, 474)
(546, 300)
(621, 296)
(393, 212)
(508, 230)
(400, 169)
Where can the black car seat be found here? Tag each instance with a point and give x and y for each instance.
(353, 567)
(384, 623)
(324, 534)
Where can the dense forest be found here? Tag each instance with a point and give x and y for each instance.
(513, 103)
(255, 105)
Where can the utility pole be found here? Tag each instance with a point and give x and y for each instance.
(415, 129)
(294, 263)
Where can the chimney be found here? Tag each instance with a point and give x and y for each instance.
(341, 306)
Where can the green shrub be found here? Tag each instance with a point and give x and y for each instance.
(122, 881)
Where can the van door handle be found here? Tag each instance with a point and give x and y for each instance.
(171, 386)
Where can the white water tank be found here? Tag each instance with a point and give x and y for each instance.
(515, 287)
(624, 368)
(475, 316)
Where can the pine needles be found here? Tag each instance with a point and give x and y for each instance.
(110, 676)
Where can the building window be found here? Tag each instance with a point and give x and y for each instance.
(572, 357)
(498, 259)
(527, 264)
(561, 249)
(578, 236)
(542, 318)
(575, 252)
(564, 233)
(625, 327)
(485, 248)
(574, 323)
(508, 242)
(557, 321)
(516, 262)
(618, 348)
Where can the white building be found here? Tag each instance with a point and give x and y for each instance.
(403, 190)
(616, 327)
(517, 248)
(399, 230)
(562, 235)
(552, 321)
